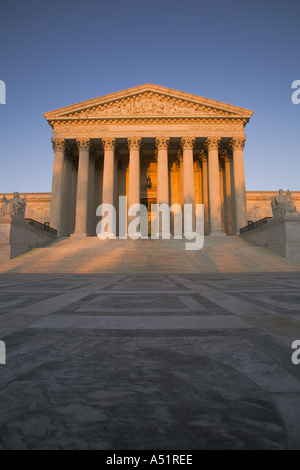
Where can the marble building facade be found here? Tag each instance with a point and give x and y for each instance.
(154, 145)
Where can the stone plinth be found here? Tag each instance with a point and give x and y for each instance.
(281, 235)
(17, 237)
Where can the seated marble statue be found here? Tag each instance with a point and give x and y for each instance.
(283, 203)
(13, 206)
(291, 206)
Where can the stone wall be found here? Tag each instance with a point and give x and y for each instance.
(280, 234)
(17, 237)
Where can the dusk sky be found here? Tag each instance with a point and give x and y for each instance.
(59, 53)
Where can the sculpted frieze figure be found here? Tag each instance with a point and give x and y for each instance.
(147, 104)
(283, 203)
(15, 206)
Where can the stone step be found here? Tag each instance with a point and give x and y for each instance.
(91, 255)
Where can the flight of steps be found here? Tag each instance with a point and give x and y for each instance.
(91, 255)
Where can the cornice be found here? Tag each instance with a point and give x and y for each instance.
(146, 120)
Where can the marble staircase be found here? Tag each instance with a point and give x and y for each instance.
(91, 255)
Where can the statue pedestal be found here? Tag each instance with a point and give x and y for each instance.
(17, 236)
(281, 235)
(284, 235)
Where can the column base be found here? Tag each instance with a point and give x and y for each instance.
(79, 235)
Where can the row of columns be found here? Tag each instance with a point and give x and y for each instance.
(66, 189)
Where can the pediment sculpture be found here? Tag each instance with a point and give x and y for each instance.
(148, 104)
(14, 207)
(283, 204)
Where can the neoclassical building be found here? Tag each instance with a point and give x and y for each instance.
(154, 145)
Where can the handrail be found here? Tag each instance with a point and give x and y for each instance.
(255, 225)
(43, 227)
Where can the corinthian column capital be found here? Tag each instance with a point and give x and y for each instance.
(212, 143)
(83, 143)
(187, 143)
(58, 144)
(237, 143)
(134, 142)
(162, 142)
(109, 143)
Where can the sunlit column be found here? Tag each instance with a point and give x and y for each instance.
(116, 190)
(134, 144)
(73, 195)
(228, 193)
(82, 202)
(204, 159)
(221, 169)
(237, 144)
(187, 145)
(91, 197)
(108, 171)
(162, 144)
(57, 184)
(215, 215)
(67, 187)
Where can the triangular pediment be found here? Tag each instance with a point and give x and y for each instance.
(148, 101)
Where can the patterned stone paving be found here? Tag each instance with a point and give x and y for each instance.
(150, 361)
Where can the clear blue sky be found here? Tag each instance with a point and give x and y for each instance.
(61, 52)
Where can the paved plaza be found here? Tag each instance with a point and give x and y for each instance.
(150, 361)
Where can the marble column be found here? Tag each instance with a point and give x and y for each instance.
(73, 196)
(116, 190)
(215, 215)
(200, 182)
(180, 177)
(82, 201)
(162, 144)
(134, 144)
(222, 169)
(67, 187)
(237, 144)
(98, 181)
(228, 193)
(57, 184)
(204, 160)
(108, 171)
(92, 205)
(187, 144)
